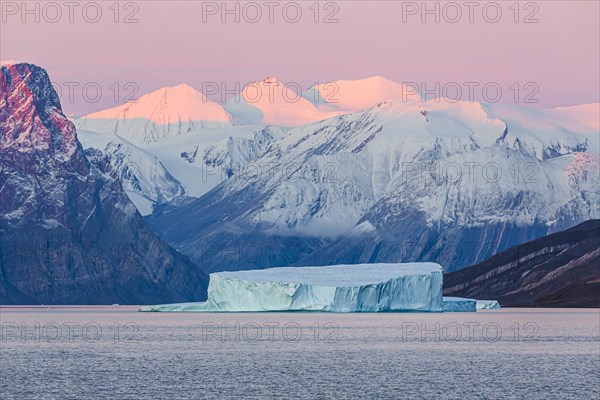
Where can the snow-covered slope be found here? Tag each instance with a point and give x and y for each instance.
(436, 181)
(144, 178)
(234, 153)
(164, 113)
(546, 133)
(184, 166)
(201, 160)
(272, 102)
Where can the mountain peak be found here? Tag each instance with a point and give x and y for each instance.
(8, 62)
(181, 91)
(180, 88)
(168, 111)
(30, 112)
(268, 102)
(376, 78)
(355, 95)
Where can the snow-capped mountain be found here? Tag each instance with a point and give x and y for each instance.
(159, 161)
(344, 96)
(68, 232)
(435, 181)
(156, 116)
(271, 102)
(361, 178)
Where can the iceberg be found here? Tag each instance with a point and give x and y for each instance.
(459, 304)
(335, 288)
(487, 304)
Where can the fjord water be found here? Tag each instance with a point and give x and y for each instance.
(116, 352)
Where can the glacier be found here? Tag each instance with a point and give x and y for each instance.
(335, 288)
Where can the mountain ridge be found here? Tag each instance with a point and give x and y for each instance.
(158, 115)
(558, 270)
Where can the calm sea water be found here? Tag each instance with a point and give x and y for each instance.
(117, 353)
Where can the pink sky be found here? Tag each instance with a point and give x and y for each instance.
(171, 44)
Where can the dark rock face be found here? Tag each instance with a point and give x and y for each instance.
(68, 232)
(559, 270)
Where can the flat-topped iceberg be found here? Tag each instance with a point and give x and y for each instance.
(337, 288)
(459, 304)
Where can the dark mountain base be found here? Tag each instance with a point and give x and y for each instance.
(559, 270)
(586, 295)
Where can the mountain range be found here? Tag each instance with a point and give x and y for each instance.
(372, 175)
(401, 180)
